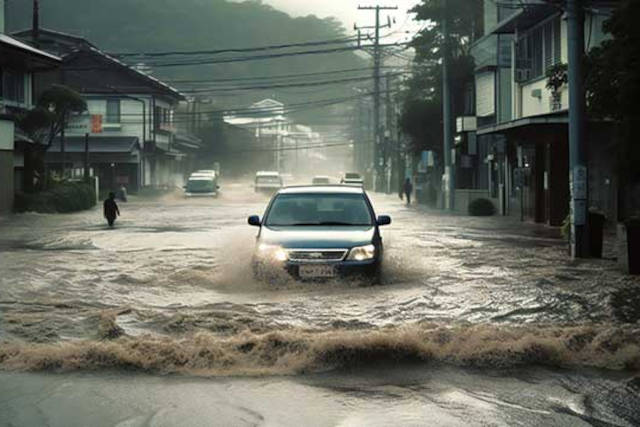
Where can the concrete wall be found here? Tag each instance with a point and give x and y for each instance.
(533, 106)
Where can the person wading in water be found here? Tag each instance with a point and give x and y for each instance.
(111, 210)
(408, 188)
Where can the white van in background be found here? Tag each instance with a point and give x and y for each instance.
(202, 184)
(268, 182)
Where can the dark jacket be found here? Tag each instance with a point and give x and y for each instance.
(111, 208)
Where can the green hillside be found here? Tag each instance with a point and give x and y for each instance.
(172, 25)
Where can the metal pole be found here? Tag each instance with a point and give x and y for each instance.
(388, 133)
(86, 157)
(376, 104)
(578, 178)
(62, 152)
(449, 191)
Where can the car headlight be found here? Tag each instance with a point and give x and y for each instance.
(362, 253)
(272, 252)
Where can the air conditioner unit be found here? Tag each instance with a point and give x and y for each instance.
(523, 75)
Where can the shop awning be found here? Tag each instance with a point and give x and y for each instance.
(98, 144)
(549, 119)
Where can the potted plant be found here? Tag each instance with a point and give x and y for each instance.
(557, 78)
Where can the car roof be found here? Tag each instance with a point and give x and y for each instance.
(267, 173)
(321, 177)
(339, 189)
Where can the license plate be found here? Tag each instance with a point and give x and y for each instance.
(316, 271)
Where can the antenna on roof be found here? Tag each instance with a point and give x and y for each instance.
(36, 21)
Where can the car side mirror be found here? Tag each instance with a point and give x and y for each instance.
(254, 220)
(384, 220)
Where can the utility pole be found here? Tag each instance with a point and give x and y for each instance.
(35, 23)
(377, 134)
(449, 173)
(578, 175)
(86, 157)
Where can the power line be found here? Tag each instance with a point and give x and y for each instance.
(234, 59)
(276, 77)
(236, 50)
(240, 110)
(276, 86)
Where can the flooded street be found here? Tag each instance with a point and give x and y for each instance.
(477, 321)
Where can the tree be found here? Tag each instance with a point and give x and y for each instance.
(42, 124)
(613, 90)
(421, 116)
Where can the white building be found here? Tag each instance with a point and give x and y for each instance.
(18, 64)
(520, 138)
(130, 117)
(266, 119)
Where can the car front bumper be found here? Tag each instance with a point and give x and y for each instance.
(367, 269)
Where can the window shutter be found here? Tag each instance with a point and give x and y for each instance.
(557, 40)
(548, 45)
(537, 53)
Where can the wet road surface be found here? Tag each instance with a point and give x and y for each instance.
(170, 290)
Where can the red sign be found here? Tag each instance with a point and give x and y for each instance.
(96, 123)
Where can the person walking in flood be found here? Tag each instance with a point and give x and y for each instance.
(111, 210)
(408, 189)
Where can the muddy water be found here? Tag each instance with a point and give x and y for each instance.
(169, 290)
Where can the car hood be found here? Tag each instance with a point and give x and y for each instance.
(326, 237)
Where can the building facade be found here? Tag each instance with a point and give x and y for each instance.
(129, 120)
(521, 133)
(19, 63)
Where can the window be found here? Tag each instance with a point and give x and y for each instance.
(157, 117)
(537, 53)
(557, 41)
(538, 49)
(162, 117)
(113, 111)
(12, 85)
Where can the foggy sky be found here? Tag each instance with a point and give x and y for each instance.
(347, 12)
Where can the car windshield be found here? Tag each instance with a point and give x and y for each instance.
(352, 176)
(319, 209)
(200, 185)
(320, 180)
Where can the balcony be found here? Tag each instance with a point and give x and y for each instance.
(485, 52)
(527, 13)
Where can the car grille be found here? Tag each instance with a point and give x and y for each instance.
(317, 255)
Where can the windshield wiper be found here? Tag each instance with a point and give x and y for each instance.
(333, 223)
